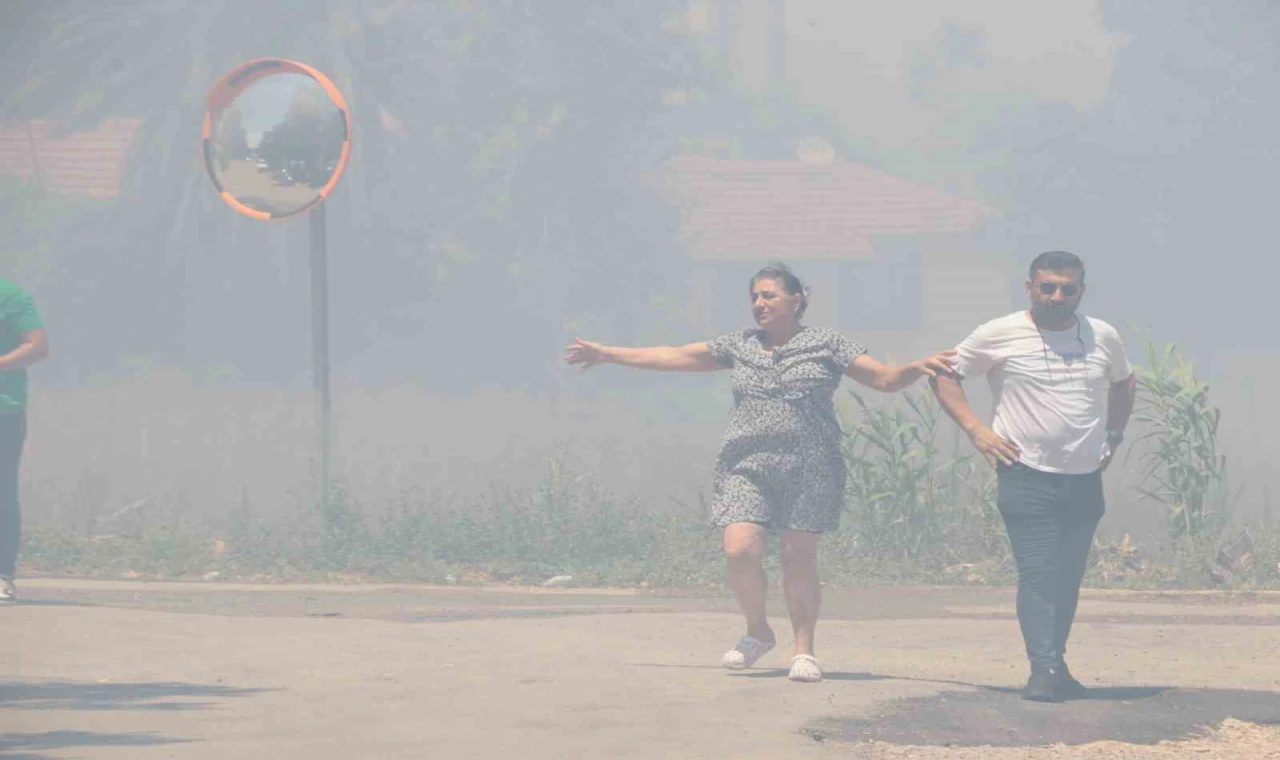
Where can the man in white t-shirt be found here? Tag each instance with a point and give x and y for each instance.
(1063, 391)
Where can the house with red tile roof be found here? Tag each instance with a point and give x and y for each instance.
(87, 162)
(891, 261)
(805, 209)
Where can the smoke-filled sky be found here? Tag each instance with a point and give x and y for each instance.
(1050, 51)
(509, 206)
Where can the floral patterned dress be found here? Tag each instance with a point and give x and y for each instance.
(780, 464)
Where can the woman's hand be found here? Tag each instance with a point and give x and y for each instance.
(585, 354)
(891, 378)
(942, 363)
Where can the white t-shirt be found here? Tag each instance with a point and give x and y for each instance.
(1050, 387)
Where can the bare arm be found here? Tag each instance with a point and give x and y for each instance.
(1120, 398)
(955, 403)
(890, 378)
(1120, 403)
(693, 357)
(33, 347)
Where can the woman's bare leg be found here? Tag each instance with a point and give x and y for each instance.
(744, 550)
(801, 584)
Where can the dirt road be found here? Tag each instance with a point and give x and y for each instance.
(195, 671)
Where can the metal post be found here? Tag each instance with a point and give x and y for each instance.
(320, 346)
(36, 176)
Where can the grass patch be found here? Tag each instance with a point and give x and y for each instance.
(920, 509)
(568, 526)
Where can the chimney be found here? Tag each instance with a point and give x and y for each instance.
(814, 150)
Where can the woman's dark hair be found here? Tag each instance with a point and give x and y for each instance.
(780, 272)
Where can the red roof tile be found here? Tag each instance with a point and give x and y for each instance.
(765, 209)
(79, 162)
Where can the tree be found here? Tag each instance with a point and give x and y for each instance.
(496, 182)
(1166, 182)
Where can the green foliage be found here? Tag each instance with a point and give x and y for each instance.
(894, 490)
(1184, 471)
(908, 505)
(566, 525)
(501, 161)
(342, 535)
(918, 510)
(31, 223)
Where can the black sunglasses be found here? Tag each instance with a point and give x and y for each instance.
(1048, 289)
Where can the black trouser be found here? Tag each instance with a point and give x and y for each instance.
(13, 433)
(1051, 518)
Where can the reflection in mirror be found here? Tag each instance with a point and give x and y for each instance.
(277, 144)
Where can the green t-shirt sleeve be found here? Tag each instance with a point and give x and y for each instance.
(21, 312)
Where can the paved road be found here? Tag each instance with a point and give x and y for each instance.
(195, 671)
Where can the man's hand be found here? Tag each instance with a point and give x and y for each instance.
(1114, 439)
(993, 447)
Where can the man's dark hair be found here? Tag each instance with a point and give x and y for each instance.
(1056, 260)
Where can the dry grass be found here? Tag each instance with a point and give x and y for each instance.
(166, 476)
(174, 450)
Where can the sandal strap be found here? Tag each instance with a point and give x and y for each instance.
(751, 645)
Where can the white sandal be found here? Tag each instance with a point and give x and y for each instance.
(745, 653)
(804, 669)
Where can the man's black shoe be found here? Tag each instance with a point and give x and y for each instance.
(1043, 686)
(1069, 687)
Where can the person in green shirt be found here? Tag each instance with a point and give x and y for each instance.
(22, 343)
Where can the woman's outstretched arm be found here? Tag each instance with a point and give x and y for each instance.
(894, 377)
(694, 357)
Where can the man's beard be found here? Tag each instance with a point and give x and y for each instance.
(1053, 314)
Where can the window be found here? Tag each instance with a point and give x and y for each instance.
(881, 293)
(720, 291)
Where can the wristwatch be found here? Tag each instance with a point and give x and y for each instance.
(1114, 438)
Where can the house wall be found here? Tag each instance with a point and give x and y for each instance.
(961, 284)
(920, 293)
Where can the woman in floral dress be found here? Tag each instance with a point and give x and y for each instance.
(780, 467)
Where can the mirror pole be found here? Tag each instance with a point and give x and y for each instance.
(320, 346)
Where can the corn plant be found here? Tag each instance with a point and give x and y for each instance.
(893, 492)
(977, 530)
(1183, 469)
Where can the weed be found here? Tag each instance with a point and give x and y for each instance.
(1184, 471)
